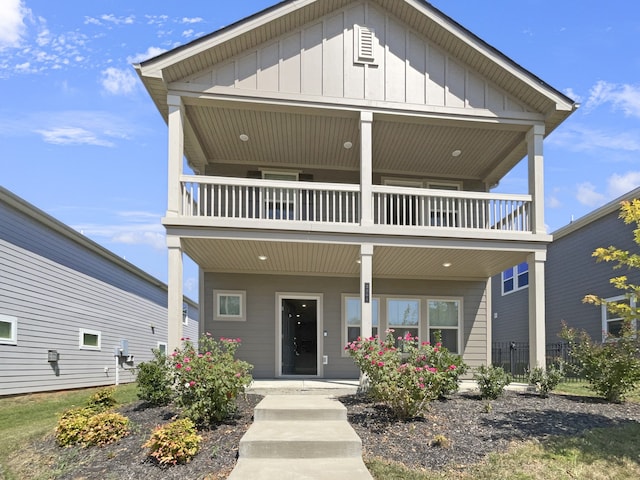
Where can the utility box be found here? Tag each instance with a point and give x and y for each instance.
(53, 356)
(124, 348)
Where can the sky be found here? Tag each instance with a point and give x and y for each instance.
(81, 139)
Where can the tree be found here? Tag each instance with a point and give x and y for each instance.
(613, 367)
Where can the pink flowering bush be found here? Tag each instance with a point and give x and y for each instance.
(407, 377)
(208, 381)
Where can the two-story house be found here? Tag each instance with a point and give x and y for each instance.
(342, 156)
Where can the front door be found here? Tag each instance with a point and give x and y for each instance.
(298, 336)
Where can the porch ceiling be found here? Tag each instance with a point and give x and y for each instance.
(315, 140)
(330, 259)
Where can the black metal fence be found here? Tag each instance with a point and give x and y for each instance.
(513, 357)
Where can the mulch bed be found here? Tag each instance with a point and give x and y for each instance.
(472, 428)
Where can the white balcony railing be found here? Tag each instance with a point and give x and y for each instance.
(339, 203)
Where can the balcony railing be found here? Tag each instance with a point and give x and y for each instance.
(339, 203)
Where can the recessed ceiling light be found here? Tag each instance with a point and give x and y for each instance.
(358, 261)
(244, 137)
(347, 145)
(456, 153)
(446, 264)
(262, 257)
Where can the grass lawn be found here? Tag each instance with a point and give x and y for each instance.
(25, 418)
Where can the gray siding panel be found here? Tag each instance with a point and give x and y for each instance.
(258, 331)
(54, 286)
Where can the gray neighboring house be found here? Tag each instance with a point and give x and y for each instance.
(66, 304)
(571, 274)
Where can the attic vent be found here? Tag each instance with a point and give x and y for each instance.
(364, 45)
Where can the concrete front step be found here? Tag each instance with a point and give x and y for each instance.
(300, 439)
(300, 469)
(291, 407)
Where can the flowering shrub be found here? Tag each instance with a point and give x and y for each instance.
(409, 376)
(83, 426)
(175, 442)
(491, 381)
(208, 381)
(103, 399)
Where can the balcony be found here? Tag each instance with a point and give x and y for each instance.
(257, 203)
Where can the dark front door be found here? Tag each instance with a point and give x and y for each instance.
(299, 336)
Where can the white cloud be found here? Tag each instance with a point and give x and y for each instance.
(139, 228)
(150, 53)
(580, 138)
(72, 136)
(587, 195)
(191, 20)
(572, 95)
(623, 97)
(620, 184)
(118, 82)
(188, 33)
(552, 202)
(12, 26)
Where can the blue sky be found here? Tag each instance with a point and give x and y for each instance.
(81, 139)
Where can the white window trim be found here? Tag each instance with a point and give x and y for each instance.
(291, 173)
(13, 321)
(86, 331)
(434, 184)
(165, 345)
(605, 312)
(229, 318)
(460, 326)
(345, 326)
(516, 284)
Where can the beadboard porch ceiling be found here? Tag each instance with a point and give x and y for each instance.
(315, 139)
(328, 259)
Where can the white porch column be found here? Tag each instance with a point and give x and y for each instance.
(174, 294)
(536, 177)
(366, 293)
(176, 153)
(537, 335)
(366, 168)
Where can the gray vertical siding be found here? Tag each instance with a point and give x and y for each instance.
(55, 283)
(258, 331)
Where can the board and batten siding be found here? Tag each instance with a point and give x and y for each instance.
(258, 332)
(317, 60)
(54, 281)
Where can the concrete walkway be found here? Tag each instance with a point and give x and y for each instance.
(302, 437)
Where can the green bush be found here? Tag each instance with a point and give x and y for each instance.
(407, 377)
(154, 380)
(545, 380)
(491, 381)
(612, 368)
(208, 381)
(175, 442)
(103, 399)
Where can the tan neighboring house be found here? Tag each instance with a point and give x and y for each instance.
(343, 154)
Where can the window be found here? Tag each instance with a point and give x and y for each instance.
(8, 330)
(612, 322)
(403, 316)
(444, 315)
(515, 278)
(352, 317)
(162, 347)
(90, 339)
(229, 305)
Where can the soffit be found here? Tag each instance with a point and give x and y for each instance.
(322, 259)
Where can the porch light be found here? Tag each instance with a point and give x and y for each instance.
(244, 137)
(262, 257)
(446, 264)
(456, 153)
(347, 145)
